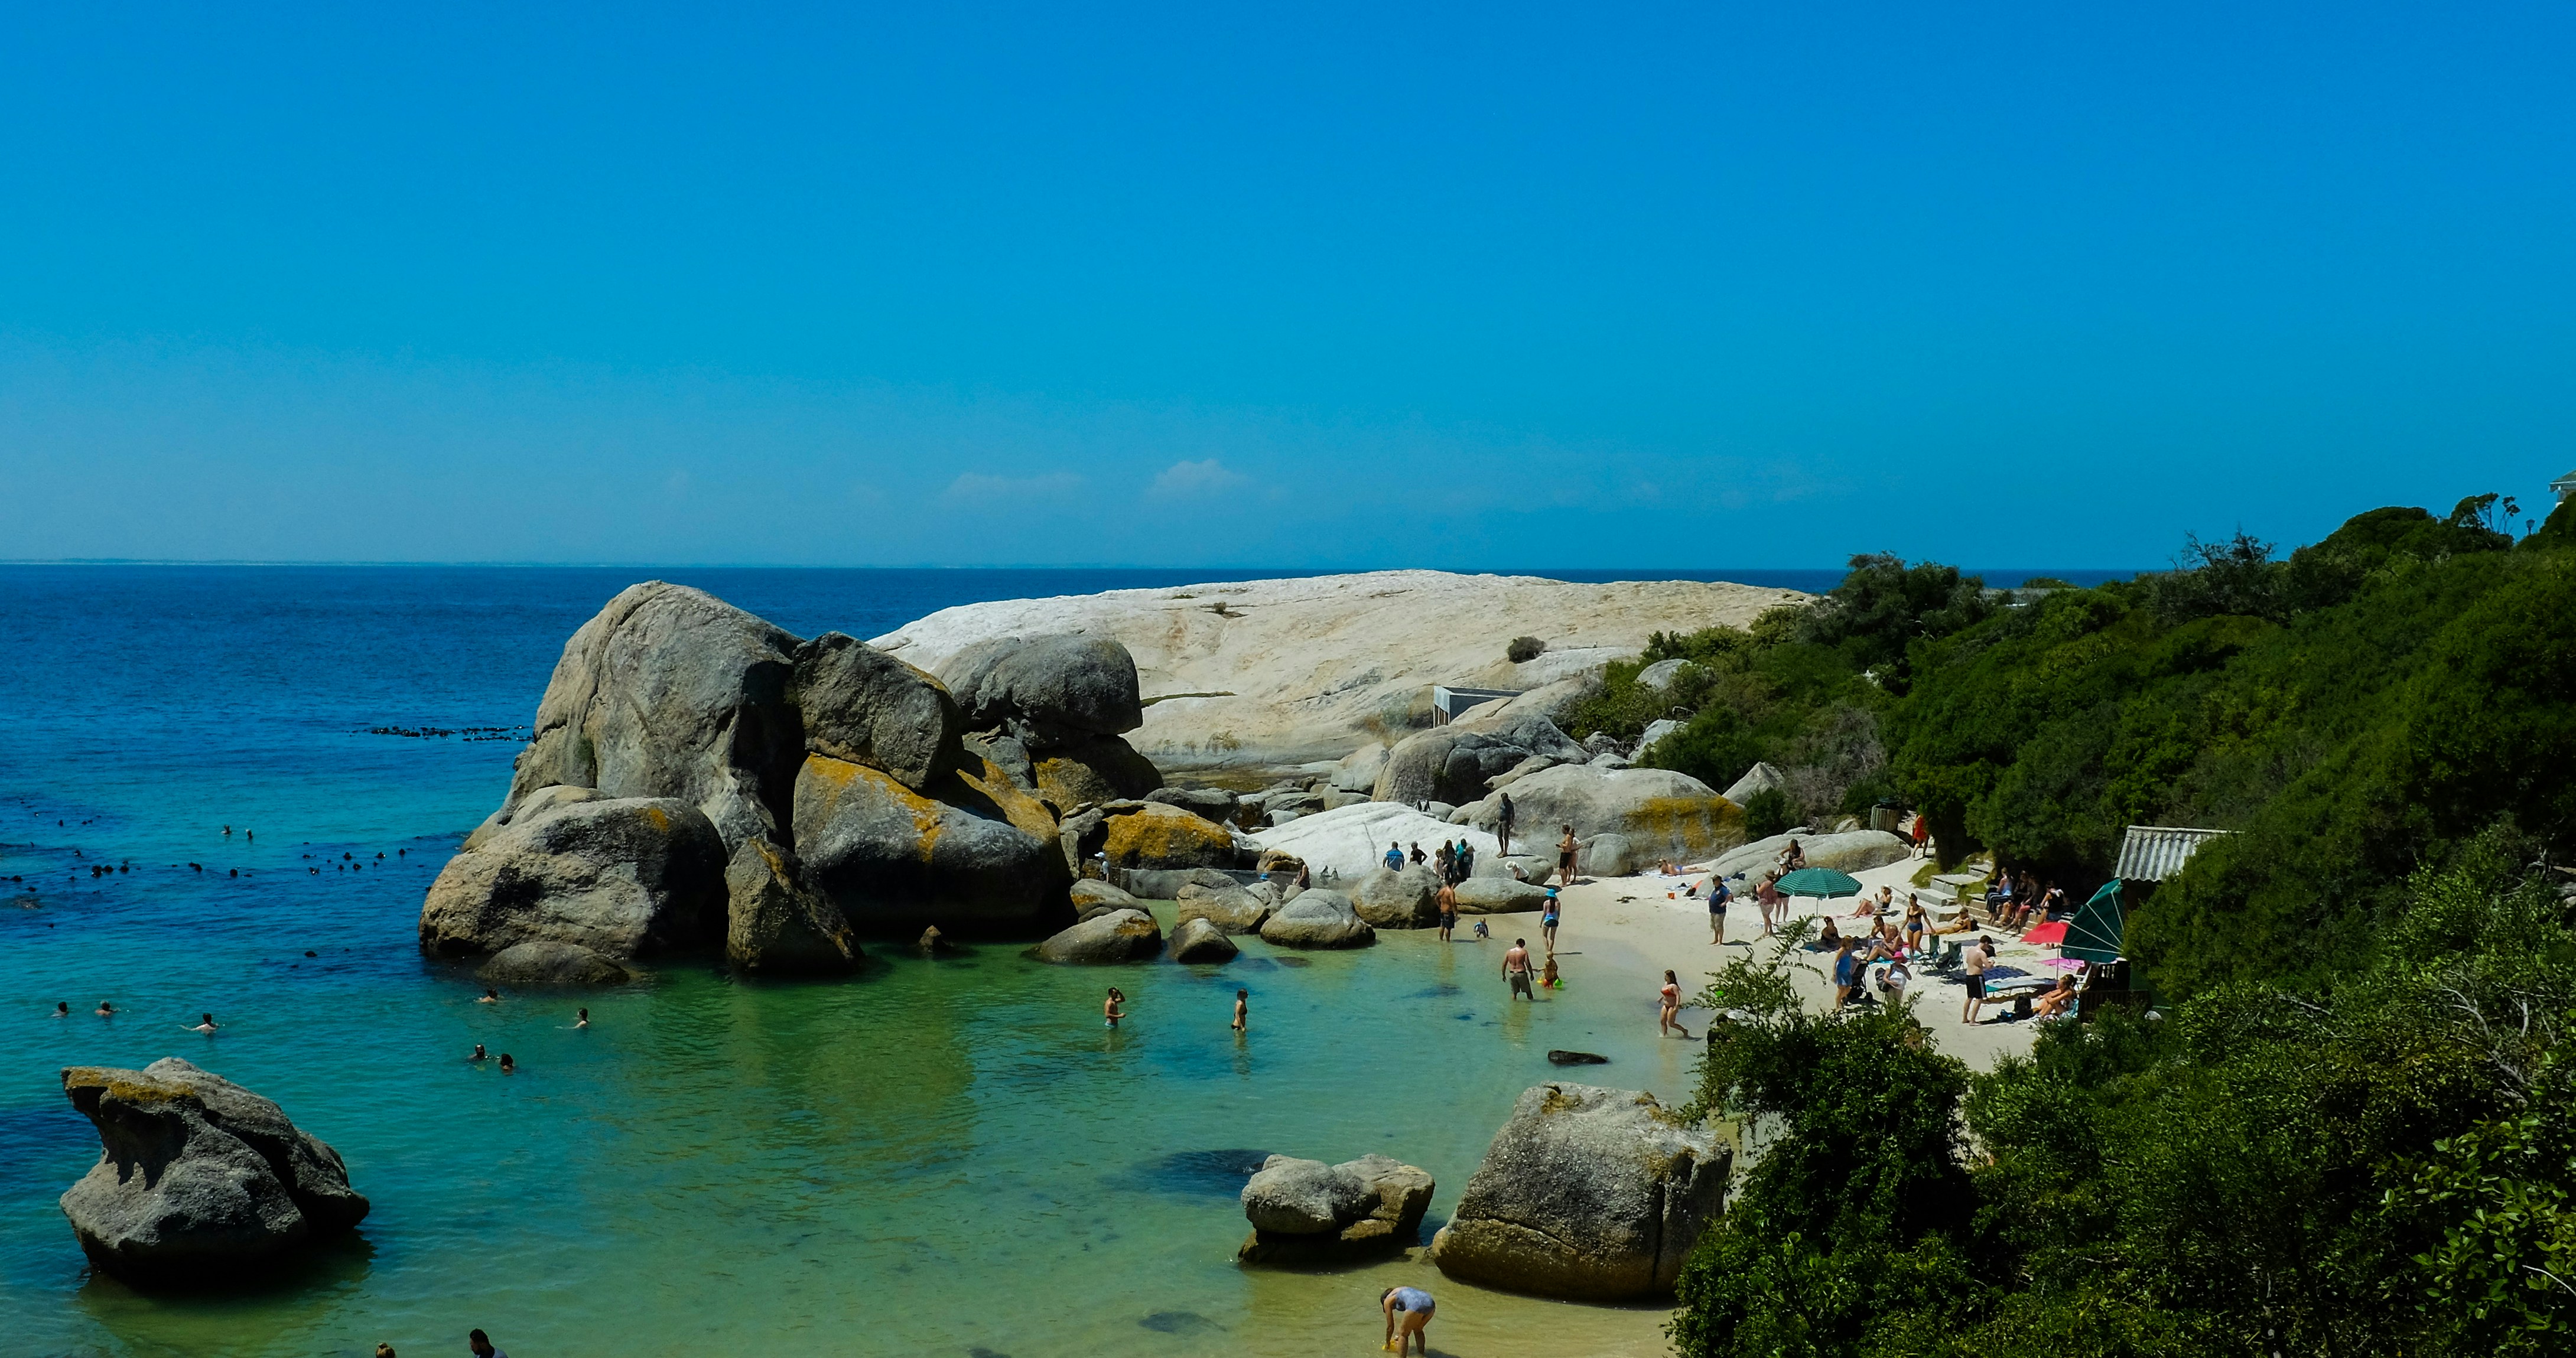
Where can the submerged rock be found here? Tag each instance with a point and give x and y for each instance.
(1196, 940)
(1308, 1212)
(622, 877)
(197, 1177)
(551, 964)
(1318, 919)
(1587, 1194)
(1120, 936)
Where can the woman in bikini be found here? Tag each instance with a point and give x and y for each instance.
(1669, 1018)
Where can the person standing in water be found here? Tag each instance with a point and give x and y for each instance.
(1408, 1317)
(1516, 969)
(1548, 915)
(1242, 1009)
(1115, 1008)
(508, 1066)
(1448, 903)
(105, 1009)
(1669, 1019)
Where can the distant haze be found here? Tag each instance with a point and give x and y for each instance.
(1689, 287)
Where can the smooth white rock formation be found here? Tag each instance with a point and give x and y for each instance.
(1353, 839)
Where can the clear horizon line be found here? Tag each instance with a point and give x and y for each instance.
(937, 566)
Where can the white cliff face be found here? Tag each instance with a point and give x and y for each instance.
(1282, 671)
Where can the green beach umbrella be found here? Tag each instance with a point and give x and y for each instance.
(1818, 882)
(2096, 932)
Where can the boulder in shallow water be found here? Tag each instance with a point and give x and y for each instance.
(623, 877)
(1499, 896)
(1588, 1194)
(1154, 835)
(551, 964)
(1397, 900)
(864, 706)
(1230, 908)
(671, 692)
(893, 858)
(198, 1178)
(1308, 1212)
(1196, 940)
(1094, 897)
(775, 922)
(1116, 937)
(1318, 919)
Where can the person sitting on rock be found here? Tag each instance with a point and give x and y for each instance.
(1408, 1316)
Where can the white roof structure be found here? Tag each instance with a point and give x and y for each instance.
(2152, 853)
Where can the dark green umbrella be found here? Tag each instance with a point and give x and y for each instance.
(1818, 882)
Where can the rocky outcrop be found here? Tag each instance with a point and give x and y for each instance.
(1229, 908)
(1587, 1194)
(1351, 840)
(1283, 671)
(1215, 803)
(198, 1177)
(1851, 851)
(1317, 919)
(866, 707)
(551, 964)
(1657, 813)
(671, 693)
(1498, 896)
(1662, 675)
(1197, 940)
(623, 877)
(981, 855)
(1103, 940)
(1759, 778)
(775, 922)
(1043, 686)
(1359, 771)
(1397, 900)
(1080, 769)
(1093, 897)
(1454, 763)
(1308, 1212)
(1153, 835)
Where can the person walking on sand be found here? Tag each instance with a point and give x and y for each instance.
(1408, 1319)
(1503, 826)
(1242, 1009)
(1766, 895)
(1669, 1018)
(1448, 903)
(1516, 969)
(1922, 834)
(1973, 960)
(1565, 850)
(1114, 1008)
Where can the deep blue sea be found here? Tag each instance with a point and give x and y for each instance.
(216, 795)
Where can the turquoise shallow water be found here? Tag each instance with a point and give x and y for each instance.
(937, 1157)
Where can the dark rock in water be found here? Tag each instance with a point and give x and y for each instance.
(1218, 1173)
(552, 964)
(199, 1177)
(1588, 1194)
(1566, 1058)
(1121, 936)
(931, 941)
(1178, 1322)
(775, 922)
(1308, 1212)
(867, 707)
(1196, 940)
(622, 877)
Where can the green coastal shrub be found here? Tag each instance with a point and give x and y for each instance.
(1768, 813)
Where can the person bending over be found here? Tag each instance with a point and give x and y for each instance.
(1408, 1318)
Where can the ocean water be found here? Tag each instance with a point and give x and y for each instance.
(943, 1156)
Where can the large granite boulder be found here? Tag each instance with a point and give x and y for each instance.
(623, 877)
(1308, 1212)
(1658, 813)
(197, 1177)
(1081, 768)
(1196, 940)
(981, 854)
(775, 922)
(1351, 840)
(1850, 851)
(1398, 900)
(864, 706)
(1153, 835)
(1587, 1194)
(1120, 936)
(1092, 896)
(544, 963)
(1317, 919)
(671, 692)
(1229, 908)
(1047, 686)
(1499, 896)
(1453, 764)
(1359, 770)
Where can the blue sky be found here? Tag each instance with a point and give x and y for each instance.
(1308, 286)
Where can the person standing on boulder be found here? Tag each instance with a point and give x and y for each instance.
(1516, 969)
(1503, 824)
(1408, 1317)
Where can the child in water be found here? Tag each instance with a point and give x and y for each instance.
(1547, 977)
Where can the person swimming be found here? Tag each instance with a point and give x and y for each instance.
(490, 997)
(205, 1024)
(478, 1053)
(105, 1010)
(581, 1018)
(508, 1066)
(1408, 1314)
(62, 1009)
(1114, 1008)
